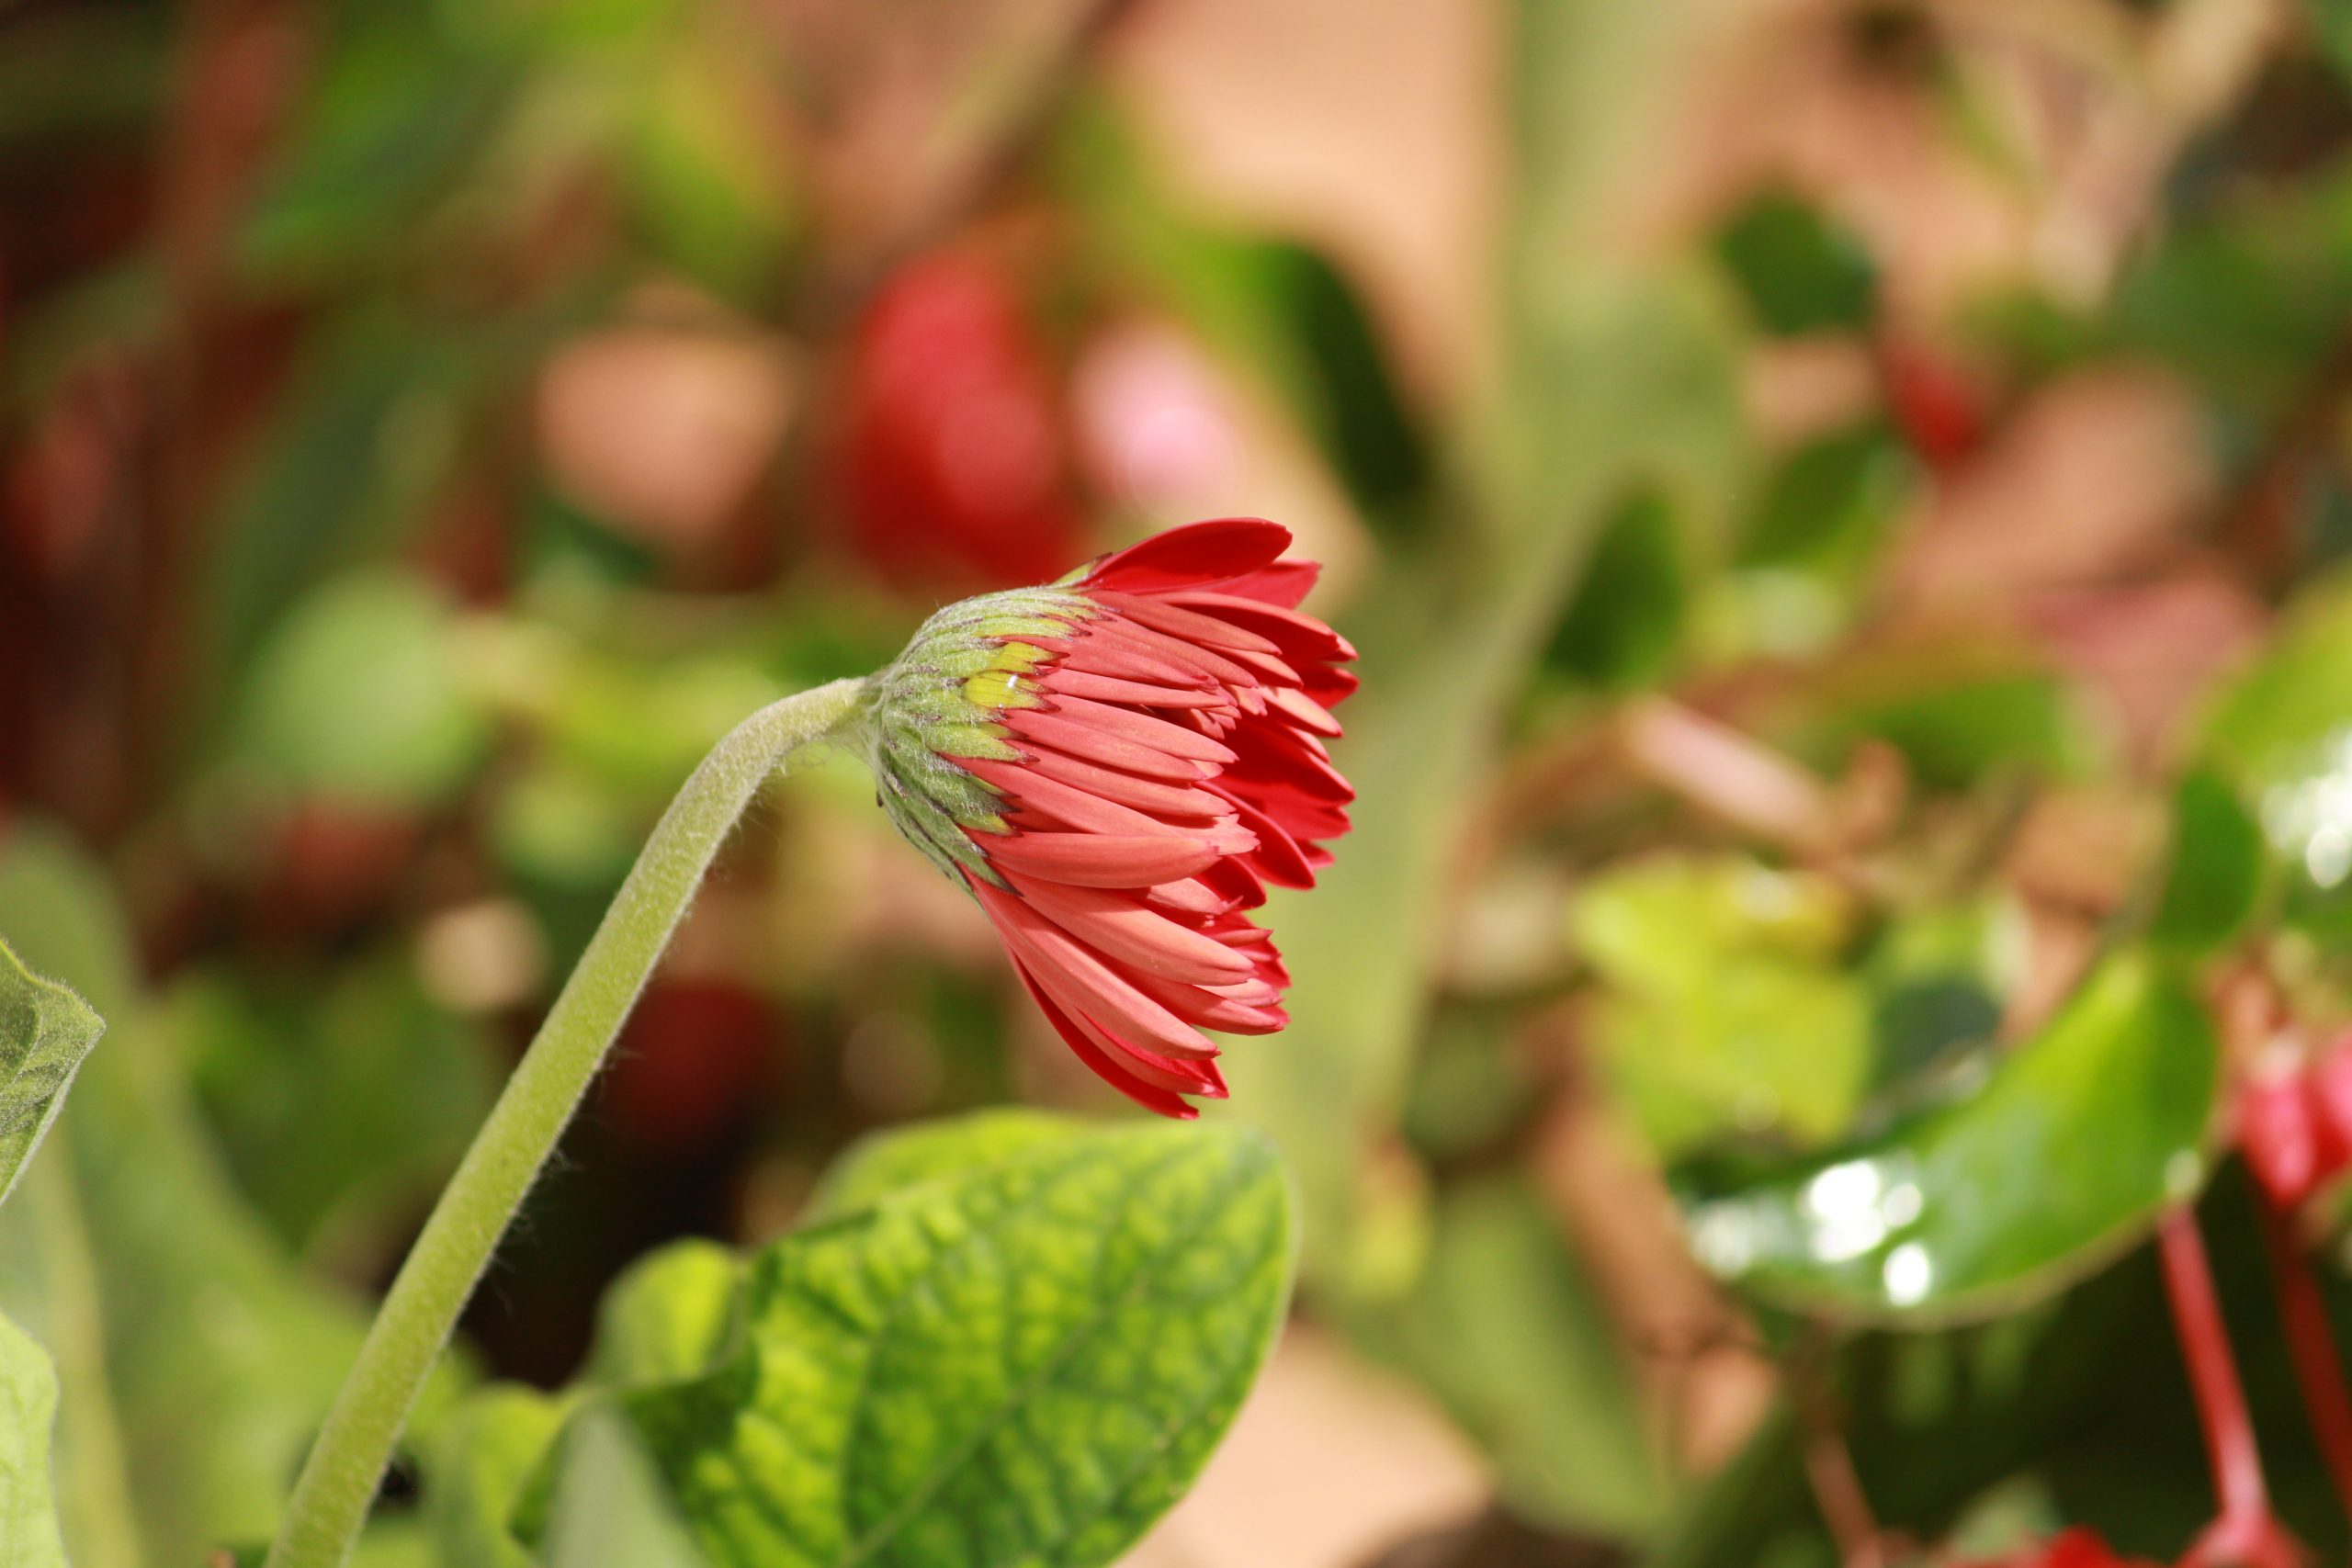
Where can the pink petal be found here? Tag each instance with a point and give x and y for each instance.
(1068, 967)
(1026, 788)
(1064, 680)
(1149, 1095)
(1097, 859)
(1166, 615)
(1283, 584)
(1300, 637)
(1153, 795)
(1197, 552)
(1090, 742)
(1128, 931)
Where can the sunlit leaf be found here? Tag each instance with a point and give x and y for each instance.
(1027, 1362)
(45, 1031)
(1721, 1009)
(2061, 1158)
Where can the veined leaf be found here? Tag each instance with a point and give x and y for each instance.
(1022, 1363)
(45, 1031)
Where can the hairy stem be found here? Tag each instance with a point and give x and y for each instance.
(339, 1479)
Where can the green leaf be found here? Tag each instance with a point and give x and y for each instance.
(909, 1156)
(358, 695)
(1623, 627)
(478, 1462)
(1024, 1363)
(134, 1258)
(2217, 867)
(29, 1531)
(1509, 1331)
(610, 1510)
(45, 1031)
(670, 1316)
(343, 1100)
(1829, 503)
(1801, 273)
(1721, 1008)
(2062, 1158)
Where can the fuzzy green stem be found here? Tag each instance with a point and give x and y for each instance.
(339, 1481)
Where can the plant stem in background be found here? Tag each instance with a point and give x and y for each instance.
(2319, 1370)
(2246, 1531)
(339, 1481)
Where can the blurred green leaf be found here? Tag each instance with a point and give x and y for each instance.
(29, 1537)
(357, 695)
(670, 1317)
(1829, 503)
(1624, 624)
(1936, 977)
(210, 1359)
(1721, 1009)
(2247, 302)
(2064, 1155)
(1957, 713)
(1029, 1361)
(2217, 867)
(1508, 1330)
(397, 109)
(1801, 273)
(364, 433)
(478, 1461)
(341, 1100)
(45, 1031)
(610, 1509)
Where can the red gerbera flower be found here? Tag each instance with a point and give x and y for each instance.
(1117, 765)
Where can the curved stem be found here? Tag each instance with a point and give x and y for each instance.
(345, 1466)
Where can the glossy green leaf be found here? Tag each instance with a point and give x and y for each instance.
(2061, 1156)
(1507, 1328)
(1720, 1006)
(45, 1031)
(132, 1255)
(29, 1537)
(357, 695)
(1026, 1363)
(478, 1462)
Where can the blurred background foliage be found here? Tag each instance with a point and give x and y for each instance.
(1842, 503)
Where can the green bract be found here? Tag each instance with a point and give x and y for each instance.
(939, 702)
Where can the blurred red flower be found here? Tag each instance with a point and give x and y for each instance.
(956, 462)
